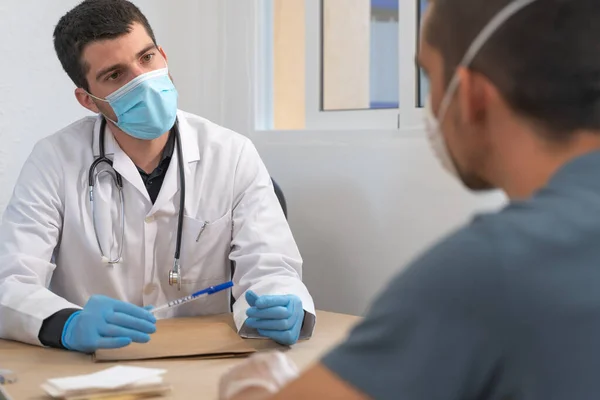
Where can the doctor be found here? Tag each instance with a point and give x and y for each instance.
(81, 274)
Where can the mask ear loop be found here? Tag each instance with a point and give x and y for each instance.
(499, 19)
(103, 100)
(166, 67)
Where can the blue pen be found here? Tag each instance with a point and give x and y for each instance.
(193, 296)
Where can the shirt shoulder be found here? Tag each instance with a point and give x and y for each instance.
(67, 141)
(461, 269)
(436, 321)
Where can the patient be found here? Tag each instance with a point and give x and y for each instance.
(509, 305)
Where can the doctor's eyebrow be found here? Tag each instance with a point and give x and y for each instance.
(112, 68)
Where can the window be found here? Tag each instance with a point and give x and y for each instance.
(359, 55)
(338, 64)
(423, 81)
(281, 64)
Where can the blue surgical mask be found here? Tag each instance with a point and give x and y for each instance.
(146, 107)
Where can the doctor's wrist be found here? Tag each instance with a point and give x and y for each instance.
(65, 332)
(51, 332)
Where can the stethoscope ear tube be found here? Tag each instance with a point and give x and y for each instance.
(92, 175)
(175, 275)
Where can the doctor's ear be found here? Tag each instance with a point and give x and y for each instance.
(162, 52)
(85, 100)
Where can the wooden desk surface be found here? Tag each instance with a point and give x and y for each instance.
(190, 378)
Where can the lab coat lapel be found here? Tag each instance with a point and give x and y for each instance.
(190, 141)
(124, 166)
(170, 185)
(191, 154)
(121, 162)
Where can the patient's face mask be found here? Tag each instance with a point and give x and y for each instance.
(433, 124)
(146, 107)
(435, 136)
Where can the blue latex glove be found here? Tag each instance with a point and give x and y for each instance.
(106, 323)
(276, 317)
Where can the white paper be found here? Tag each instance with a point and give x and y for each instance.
(57, 393)
(111, 378)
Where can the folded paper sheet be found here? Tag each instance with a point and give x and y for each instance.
(111, 381)
(183, 337)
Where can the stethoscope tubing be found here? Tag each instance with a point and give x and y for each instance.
(92, 175)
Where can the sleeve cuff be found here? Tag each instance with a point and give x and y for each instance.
(52, 328)
(308, 326)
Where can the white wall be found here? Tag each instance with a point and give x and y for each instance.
(361, 203)
(36, 96)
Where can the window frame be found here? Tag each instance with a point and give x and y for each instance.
(408, 116)
(411, 114)
(263, 49)
(316, 117)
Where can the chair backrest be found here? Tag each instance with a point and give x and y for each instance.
(280, 197)
(283, 204)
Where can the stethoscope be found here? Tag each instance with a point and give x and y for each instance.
(175, 273)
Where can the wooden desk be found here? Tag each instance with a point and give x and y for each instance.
(191, 379)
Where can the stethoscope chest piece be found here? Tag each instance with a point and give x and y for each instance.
(175, 275)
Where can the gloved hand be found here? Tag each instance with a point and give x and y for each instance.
(261, 375)
(277, 317)
(106, 323)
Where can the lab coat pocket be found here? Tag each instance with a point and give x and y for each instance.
(205, 249)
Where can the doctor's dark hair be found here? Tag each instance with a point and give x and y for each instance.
(91, 21)
(545, 60)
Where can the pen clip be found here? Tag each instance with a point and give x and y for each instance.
(201, 231)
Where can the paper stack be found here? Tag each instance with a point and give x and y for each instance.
(111, 382)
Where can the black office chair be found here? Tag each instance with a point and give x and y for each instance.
(283, 204)
(280, 197)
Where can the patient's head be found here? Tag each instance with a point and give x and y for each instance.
(538, 73)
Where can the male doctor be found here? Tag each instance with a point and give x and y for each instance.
(70, 277)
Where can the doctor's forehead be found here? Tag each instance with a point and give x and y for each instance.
(123, 49)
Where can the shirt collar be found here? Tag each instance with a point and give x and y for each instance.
(109, 142)
(581, 170)
(169, 147)
(190, 136)
(167, 153)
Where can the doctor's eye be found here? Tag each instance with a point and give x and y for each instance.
(114, 76)
(148, 57)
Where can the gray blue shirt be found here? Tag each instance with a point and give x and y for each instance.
(506, 308)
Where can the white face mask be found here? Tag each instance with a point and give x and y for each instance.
(433, 124)
(437, 141)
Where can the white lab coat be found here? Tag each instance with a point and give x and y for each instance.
(49, 256)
